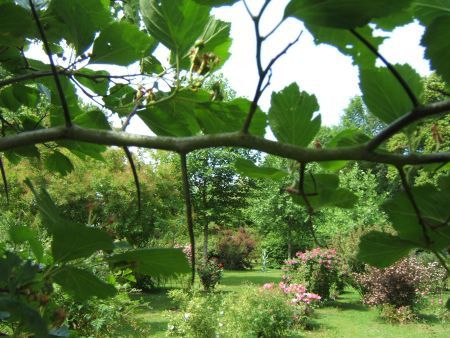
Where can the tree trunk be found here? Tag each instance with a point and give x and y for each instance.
(205, 242)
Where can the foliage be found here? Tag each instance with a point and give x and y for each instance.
(210, 274)
(317, 269)
(235, 249)
(197, 316)
(403, 284)
(393, 314)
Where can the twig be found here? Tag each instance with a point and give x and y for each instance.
(62, 97)
(188, 207)
(5, 182)
(391, 68)
(411, 198)
(309, 208)
(405, 120)
(135, 176)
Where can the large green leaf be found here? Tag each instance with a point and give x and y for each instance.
(437, 45)
(175, 23)
(83, 284)
(20, 234)
(381, 249)
(59, 163)
(83, 149)
(176, 116)
(72, 241)
(427, 11)
(434, 207)
(291, 116)
(121, 43)
(342, 13)
(79, 20)
(154, 262)
(97, 85)
(15, 24)
(347, 43)
(121, 99)
(248, 168)
(383, 94)
(222, 117)
(13, 97)
(94, 118)
(25, 315)
(216, 2)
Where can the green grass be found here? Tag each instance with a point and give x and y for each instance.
(346, 317)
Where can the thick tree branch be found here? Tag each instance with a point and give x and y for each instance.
(405, 120)
(391, 68)
(236, 139)
(62, 97)
(188, 207)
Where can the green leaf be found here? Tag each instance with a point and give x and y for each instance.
(79, 20)
(151, 65)
(346, 14)
(216, 3)
(121, 99)
(223, 117)
(15, 24)
(154, 262)
(427, 11)
(346, 138)
(434, 207)
(175, 23)
(72, 241)
(83, 149)
(95, 119)
(176, 116)
(438, 46)
(248, 168)
(25, 315)
(347, 43)
(97, 85)
(58, 162)
(24, 151)
(291, 116)
(83, 284)
(14, 97)
(383, 94)
(21, 234)
(381, 249)
(121, 44)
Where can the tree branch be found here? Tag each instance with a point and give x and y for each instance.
(234, 139)
(188, 207)
(391, 68)
(62, 97)
(135, 176)
(5, 182)
(405, 120)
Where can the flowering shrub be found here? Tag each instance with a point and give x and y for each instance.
(402, 284)
(235, 249)
(400, 315)
(210, 273)
(317, 269)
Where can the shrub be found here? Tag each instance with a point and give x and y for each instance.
(402, 284)
(235, 249)
(400, 315)
(210, 273)
(197, 315)
(317, 269)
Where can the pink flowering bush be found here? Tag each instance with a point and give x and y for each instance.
(317, 269)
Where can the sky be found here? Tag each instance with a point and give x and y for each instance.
(319, 70)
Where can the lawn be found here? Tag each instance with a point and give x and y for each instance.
(347, 317)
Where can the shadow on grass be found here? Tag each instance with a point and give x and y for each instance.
(258, 280)
(348, 306)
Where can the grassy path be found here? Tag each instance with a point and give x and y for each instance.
(347, 317)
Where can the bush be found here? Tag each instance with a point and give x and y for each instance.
(402, 284)
(317, 269)
(210, 273)
(197, 315)
(235, 249)
(400, 315)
